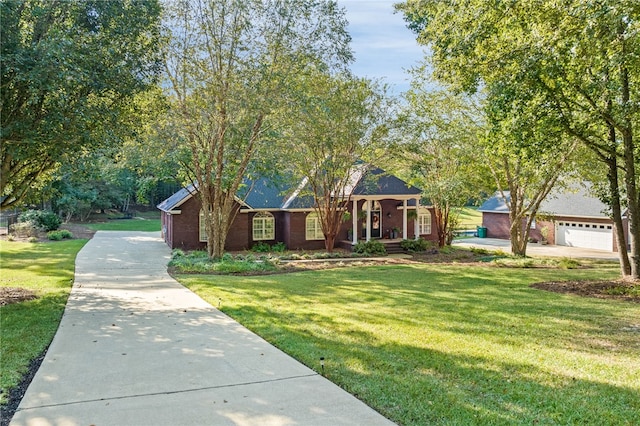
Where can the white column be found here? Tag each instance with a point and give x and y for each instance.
(404, 220)
(354, 222)
(415, 221)
(368, 204)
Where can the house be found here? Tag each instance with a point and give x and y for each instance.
(272, 212)
(568, 217)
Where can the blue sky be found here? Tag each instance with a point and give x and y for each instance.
(384, 47)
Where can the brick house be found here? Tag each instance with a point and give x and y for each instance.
(381, 207)
(569, 218)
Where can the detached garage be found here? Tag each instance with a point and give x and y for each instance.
(586, 235)
(567, 217)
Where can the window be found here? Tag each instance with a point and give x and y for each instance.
(203, 230)
(424, 222)
(313, 228)
(264, 227)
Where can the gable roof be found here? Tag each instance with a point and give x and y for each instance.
(177, 199)
(573, 202)
(496, 204)
(266, 194)
(378, 182)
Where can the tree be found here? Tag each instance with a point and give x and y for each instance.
(528, 155)
(580, 60)
(229, 63)
(437, 134)
(336, 123)
(69, 70)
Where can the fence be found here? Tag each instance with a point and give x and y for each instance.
(7, 219)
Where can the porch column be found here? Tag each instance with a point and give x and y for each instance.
(404, 220)
(354, 222)
(416, 229)
(368, 204)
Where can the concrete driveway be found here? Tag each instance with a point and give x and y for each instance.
(534, 249)
(136, 348)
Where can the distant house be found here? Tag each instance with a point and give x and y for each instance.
(271, 212)
(571, 218)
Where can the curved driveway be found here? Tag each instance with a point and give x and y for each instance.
(136, 348)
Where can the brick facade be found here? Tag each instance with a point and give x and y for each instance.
(182, 230)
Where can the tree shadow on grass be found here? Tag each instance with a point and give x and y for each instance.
(412, 384)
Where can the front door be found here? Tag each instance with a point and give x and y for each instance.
(376, 220)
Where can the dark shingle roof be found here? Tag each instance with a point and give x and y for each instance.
(264, 193)
(377, 182)
(176, 199)
(496, 204)
(574, 202)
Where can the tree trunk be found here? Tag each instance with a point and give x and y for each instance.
(630, 182)
(611, 160)
(329, 242)
(518, 235)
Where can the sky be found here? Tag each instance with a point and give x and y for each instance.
(383, 46)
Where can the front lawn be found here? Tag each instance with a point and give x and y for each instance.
(134, 224)
(27, 328)
(451, 344)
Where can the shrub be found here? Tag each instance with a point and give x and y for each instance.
(370, 248)
(54, 236)
(567, 263)
(261, 247)
(23, 229)
(45, 220)
(59, 235)
(279, 247)
(416, 245)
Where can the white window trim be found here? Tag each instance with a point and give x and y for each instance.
(316, 233)
(259, 229)
(202, 231)
(424, 228)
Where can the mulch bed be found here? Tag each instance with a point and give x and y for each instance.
(617, 289)
(10, 295)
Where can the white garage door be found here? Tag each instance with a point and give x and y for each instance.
(585, 235)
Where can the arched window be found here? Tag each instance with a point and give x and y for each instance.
(424, 222)
(201, 226)
(264, 226)
(313, 228)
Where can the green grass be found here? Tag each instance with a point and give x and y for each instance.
(127, 225)
(27, 328)
(469, 218)
(442, 344)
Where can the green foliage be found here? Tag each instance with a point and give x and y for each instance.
(279, 247)
(58, 235)
(199, 262)
(228, 119)
(88, 59)
(370, 248)
(568, 263)
(416, 245)
(41, 219)
(261, 247)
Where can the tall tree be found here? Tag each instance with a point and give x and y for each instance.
(437, 133)
(69, 70)
(336, 125)
(229, 63)
(582, 59)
